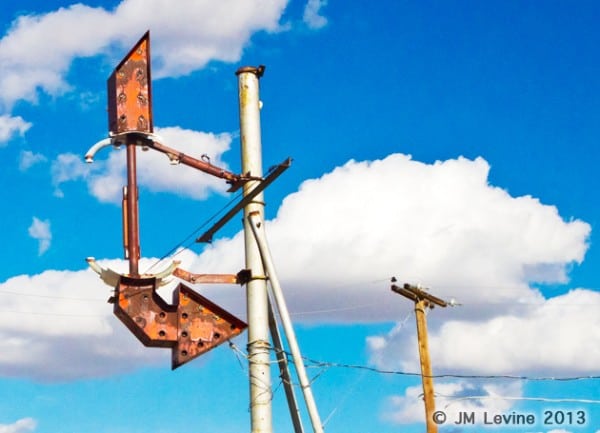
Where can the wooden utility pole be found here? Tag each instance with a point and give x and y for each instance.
(423, 300)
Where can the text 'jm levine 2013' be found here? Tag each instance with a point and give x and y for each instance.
(548, 418)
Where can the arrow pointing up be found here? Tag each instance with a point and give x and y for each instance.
(129, 91)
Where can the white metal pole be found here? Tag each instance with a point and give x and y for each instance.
(257, 226)
(256, 289)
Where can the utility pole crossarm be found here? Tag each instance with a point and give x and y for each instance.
(414, 293)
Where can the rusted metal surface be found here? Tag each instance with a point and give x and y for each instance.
(129, 91)
(145, 313)
(132, 211)
(203, 325)
(239, 278)
(190, 326)
(235, 180)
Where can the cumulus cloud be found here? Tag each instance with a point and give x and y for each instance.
(185, 38)
(339, 239)
(80, 336)
(23, 425)
(506, 343)
(106, 177)
(28, 159)
(40, 230)
(335, 243)
(11, 126)
(67, 167)
(312, 16)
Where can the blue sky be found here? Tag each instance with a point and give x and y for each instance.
(450, 144)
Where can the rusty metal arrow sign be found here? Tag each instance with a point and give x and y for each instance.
(192, 324)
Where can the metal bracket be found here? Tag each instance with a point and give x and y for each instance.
(242, 277)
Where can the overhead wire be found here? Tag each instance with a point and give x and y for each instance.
(190, 238)
(66, 298)
(499, 397)
(443, 376)
(325, 366)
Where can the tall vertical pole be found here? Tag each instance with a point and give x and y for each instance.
(426, 372)
(423, 300)
(256, 288)
(131, 210)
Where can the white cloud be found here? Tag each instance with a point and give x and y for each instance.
(312, 16)
(52, 330)
(40, 230)
(36, 52)
(23, 425)
(339, 238)
(28, 159)
(9, 126)
(547, 338)
(106, 177)
(57, 325)
(452, 398)
(335, 243)
(67, 167)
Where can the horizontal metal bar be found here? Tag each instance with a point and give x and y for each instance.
(235, 180)
(239, 278)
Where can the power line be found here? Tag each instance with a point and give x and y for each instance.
(185, 243)
(67, 298)
(33, 313)
(499, 397)
(316, 363)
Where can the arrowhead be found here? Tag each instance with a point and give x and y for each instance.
(129, 92)
(202, 325)
(191, 326)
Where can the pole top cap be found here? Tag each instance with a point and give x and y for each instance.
(256, 70)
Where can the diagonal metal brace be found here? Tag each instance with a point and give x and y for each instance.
(273, 174)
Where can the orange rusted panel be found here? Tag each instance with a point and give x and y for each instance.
(203, 325)
(145, 313)
(191, 326)
(129, 91)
